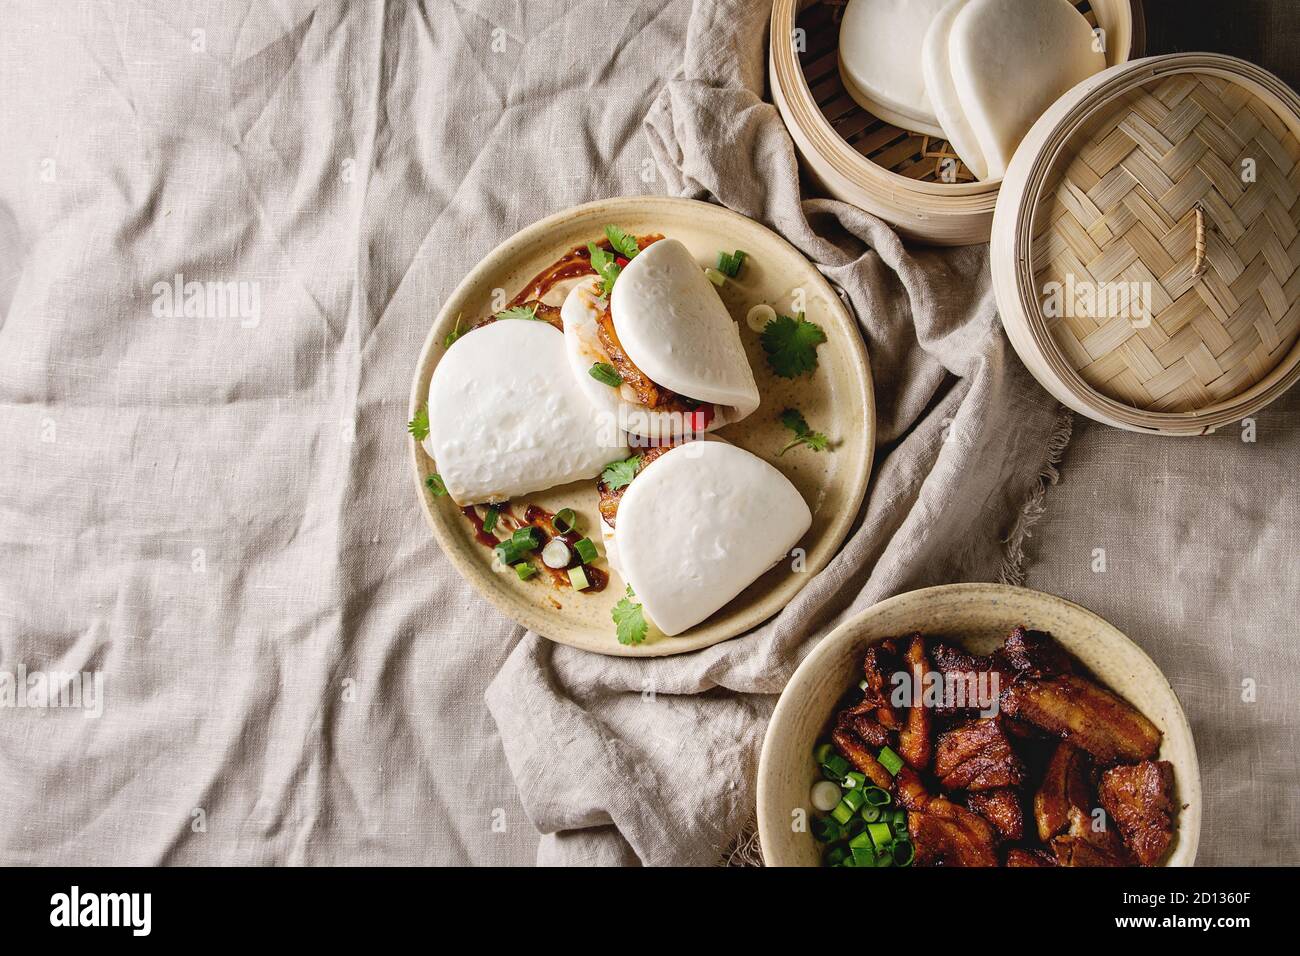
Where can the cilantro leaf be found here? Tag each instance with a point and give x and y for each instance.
(605, 267)
(419, 425)
(629, 619)
(517, 312)
(624, 243)
(793, 419)
(450, 339)
(618, 474)
(791, 345)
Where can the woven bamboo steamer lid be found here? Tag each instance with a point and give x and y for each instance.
(1146, 246)
(861, 159)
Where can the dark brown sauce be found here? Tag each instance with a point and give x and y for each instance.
(543, 520)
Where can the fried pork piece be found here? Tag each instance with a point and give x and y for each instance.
(1077, 710)
(1022, 858)
(879, 667)
(1139, 798)
(1002, 809)
(977, 756)
(944, 833)
(1084, 845)
(646, 391)
(610, 497)
(970, 683)
(1065, 785)
(1036, 654)
(865, 727)
(856, 751)
(914, 743)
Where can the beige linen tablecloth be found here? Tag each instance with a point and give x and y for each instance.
(208, 508)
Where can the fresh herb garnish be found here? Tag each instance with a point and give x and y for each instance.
(618, 474)
(729, 263)
(606, 374)
(419, 425)
(624, 243)
(453, 335)
(629, 619)
(435, 485)
(605, 267)
(517, 312)
(793, 419)
(490, 518)
(791, 345)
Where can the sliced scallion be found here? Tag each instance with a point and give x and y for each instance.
(822, 753)
(508, 553)
(825, 829)
(836, 767)
(854, 799)
(881, 835)
(890, 761)
(565, 520)
(904, 853)
(842, 813)
(877, 797)
(870, 813)
(586, 550)
(525, 570)
(824, 795)
(490, 518)
(526, 539)
(716, 277)
(578, 578)
(435, 485)
(855, 780)
(556, 554)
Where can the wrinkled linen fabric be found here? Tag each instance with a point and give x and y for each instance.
(655, 761)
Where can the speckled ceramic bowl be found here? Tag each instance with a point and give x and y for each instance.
(837, 399)
(978, 617)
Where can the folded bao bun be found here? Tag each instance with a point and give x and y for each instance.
(943, 92)
(675, 329)
(1012, 59)
(700, 524)
(507, 418)
(880, 60)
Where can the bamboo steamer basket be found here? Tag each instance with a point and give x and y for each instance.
(864, 160)
(1146, 245)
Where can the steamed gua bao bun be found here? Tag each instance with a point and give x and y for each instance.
(993, 67)
(880, 60)
(670, 339)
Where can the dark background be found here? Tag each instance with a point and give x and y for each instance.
(1266, 32)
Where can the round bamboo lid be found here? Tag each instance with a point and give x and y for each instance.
(1146, 247)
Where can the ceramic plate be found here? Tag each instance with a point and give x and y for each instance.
(979, 617)
(836, 399)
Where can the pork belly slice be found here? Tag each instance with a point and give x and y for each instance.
(946, 834)
(1036, 654)
(611, 497)
(914, 743)
(879, 666)
(1139, 798)
(977, 756)
(857, 752)
(1065, 785)
(1023, 858)
(1077, 710)
(1001, 808)
(971, 674)
(1082, 845)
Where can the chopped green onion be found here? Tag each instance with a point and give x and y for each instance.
(862, 839)
(884, 859)
(729, 263)
(899, 819)
(556, 554)
(854, 827)
(870, 813)
(836, 855)
(863, 856)
(881, 835)
(904, 853)
(862, 685)
(525, 570)
(526, 539)
(587, 552)
(842, 813)
(716, 277)
(508, 553)
(822, 753)
(565, 520)
(855, 780)
(606, 374)
(435, 485)
(835, 768)
(877, 797)
(578, 578)
(827, 830)
(854, 799)
(890, 761)
(490, 518)
(824, 795)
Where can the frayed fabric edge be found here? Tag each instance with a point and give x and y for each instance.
(1013, 570)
